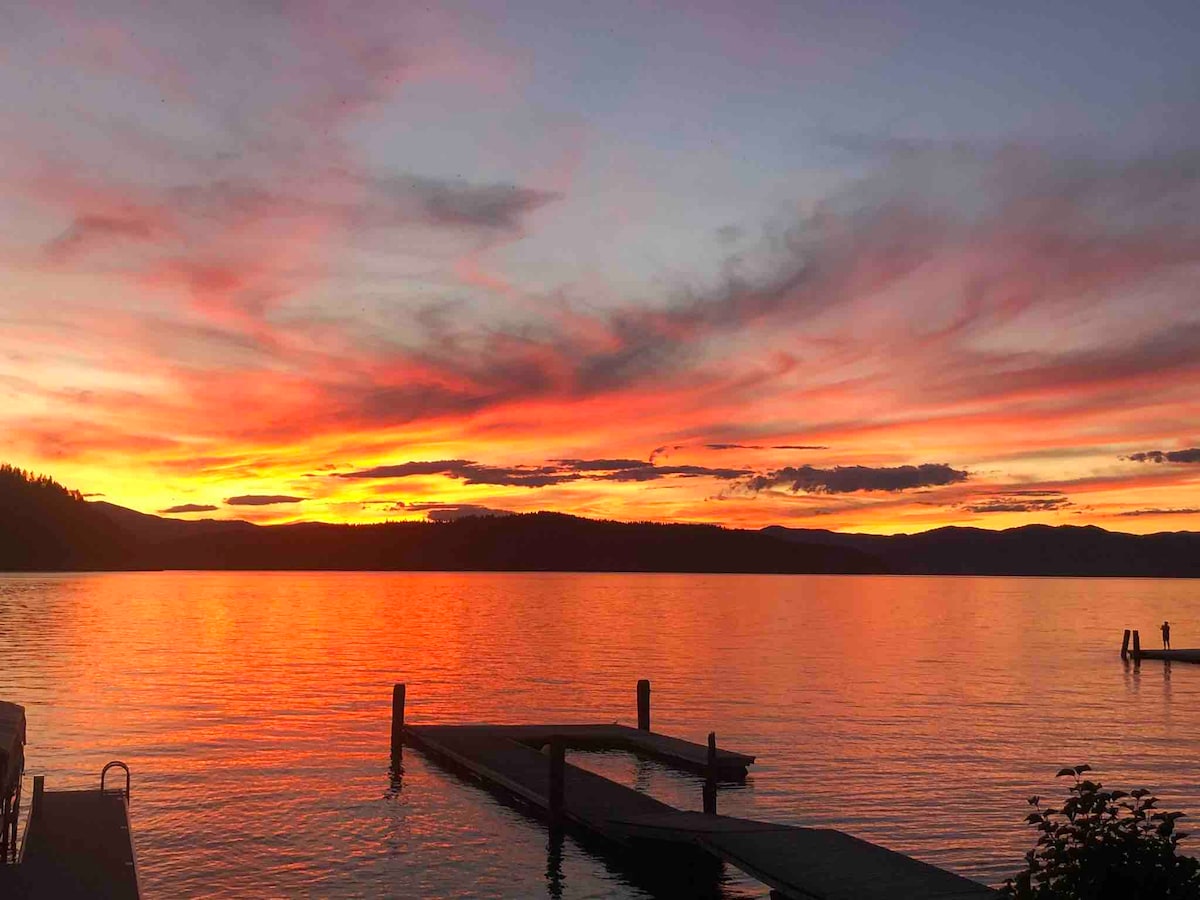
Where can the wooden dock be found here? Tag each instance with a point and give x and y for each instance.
(1138, 654)
(77, 845)
(794, 862)
(677, 753)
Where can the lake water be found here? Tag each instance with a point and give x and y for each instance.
(254, 711)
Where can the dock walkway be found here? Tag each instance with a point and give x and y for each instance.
(78, 845)
(674, 751)
(795, 862)
(1137, 654)
(1189, 656)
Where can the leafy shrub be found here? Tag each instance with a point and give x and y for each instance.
(1105, 844)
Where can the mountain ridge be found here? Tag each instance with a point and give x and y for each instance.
(45, 527)
(1034, 549)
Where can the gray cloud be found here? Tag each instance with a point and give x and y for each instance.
(653, 473)
(1021, 501)
(471, 473)
(455, 204)
(1167, 456)
(838, 480)
(562, 471)
(1033, 493)
(404, 470)
(847, 479)
(602, 465)
(187, 508)
(1183, 511)
(261, 499)
(764, 447)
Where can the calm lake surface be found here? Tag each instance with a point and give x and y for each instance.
(254, 711)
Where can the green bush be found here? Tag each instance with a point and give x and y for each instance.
(1105, 844)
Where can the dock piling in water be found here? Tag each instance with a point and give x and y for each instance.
(710, 776)
(558, 770)
(1137, 646)
(1125, 645)
(39, 795)
(643, 703)
(397, 716)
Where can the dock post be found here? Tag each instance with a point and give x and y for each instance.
(39, 788)
(710, 776)
(1125, 645)
(643, 694)
(558, 765)
(1137, 646)
(397, 717)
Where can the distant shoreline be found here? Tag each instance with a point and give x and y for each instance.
(460, 571)
(46, 528)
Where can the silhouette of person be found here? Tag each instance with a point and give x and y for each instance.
(1166, 630)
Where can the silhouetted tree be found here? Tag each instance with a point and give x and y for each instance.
(1105, 845)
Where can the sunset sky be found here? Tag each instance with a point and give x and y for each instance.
(871, 267)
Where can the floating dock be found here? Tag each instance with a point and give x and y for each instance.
(1138, 654)
(77, 844)
(526, 762)
(1190, 656)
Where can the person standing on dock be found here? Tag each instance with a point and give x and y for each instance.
(1166, 630)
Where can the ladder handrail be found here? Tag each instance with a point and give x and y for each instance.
(116, 763)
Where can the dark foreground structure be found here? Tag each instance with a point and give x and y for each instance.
(527, 763)
(77, 844)
(1137, 654)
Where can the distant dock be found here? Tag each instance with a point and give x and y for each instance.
(1137, 654)
(77, 844)
(527, 763)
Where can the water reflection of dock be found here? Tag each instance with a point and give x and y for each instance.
(527, 763)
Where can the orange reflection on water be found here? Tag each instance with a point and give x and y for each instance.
(253, 708)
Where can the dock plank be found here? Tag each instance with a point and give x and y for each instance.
(78, 845)
(832, 865)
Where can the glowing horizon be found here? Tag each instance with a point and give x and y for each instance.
(881, 271)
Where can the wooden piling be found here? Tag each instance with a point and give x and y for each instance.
(558, 768)
(39, 791)
(710, 776)
(397, 717)
(1125, 645)
(1137, 646)
(643, 703)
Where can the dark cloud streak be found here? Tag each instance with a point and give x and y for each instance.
(1191, 455)
(187, 508)
(848, 479)
(261, 499)
(1021, 502)
(1160, 512)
